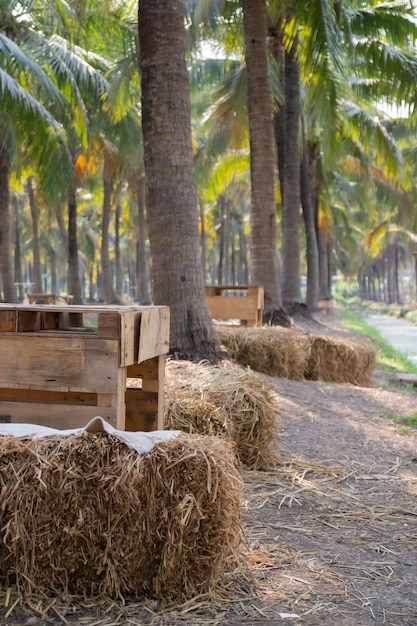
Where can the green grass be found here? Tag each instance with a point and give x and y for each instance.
(388, 358)
(407, 420)
(407, 423)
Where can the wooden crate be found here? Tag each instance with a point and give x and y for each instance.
(49, 298)
(242, 302)
(61, 366)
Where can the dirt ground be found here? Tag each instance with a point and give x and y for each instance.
(331, 531)
(339, 515)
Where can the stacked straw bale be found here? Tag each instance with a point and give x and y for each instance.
(336, 361)
(274, 351)
(87, 515)
(289, 353)
(237, 404)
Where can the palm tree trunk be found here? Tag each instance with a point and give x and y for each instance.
(203, 241)
(291, 197)
(110, 296)
(18, 273)
(143, 292)
(172, 207)
(6, 264)
(74, 282)
(264, 253)
(37, 274)
(312, 295)
(117, 250)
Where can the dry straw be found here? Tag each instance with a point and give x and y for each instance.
(86, 515)
(237, 404)
(289, 353)
(337, 361)
(274, 351)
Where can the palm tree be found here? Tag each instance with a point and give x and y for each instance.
(31, 104)
(265, 265)
(171, 192)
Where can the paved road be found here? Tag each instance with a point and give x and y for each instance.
(402, 335)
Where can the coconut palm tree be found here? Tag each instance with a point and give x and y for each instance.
(171, 192)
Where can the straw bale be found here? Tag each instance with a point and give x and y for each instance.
(235, 403)
(337, 361)
(274, 351)
(289, 353)
(87, 515)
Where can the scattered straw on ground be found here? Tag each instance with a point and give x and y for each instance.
(235, 403)
(87, 515)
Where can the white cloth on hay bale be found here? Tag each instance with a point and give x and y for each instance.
(140, 441)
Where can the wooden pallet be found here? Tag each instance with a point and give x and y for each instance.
(241, 302)
(61, 366)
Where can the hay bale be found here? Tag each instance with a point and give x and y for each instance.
(237, 404)
(337, 361)
(289, 353)
(275, 351)
(87, 515)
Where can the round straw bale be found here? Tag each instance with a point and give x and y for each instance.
(239, 404)
(87, 515)
(271, 350)
(334, 360)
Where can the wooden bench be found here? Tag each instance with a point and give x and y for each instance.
(62, 366)
(241, 302)
(48, 298)
(408, 379)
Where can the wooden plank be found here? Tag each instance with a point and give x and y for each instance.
(28, 321)
(54, 415)
(146, 403)
(8, 321)
(129, 337)
(233, 307)
(410, 379)
(49, 320)
(120, 399)
(141, 410)
(154, 332)
(70, 363)
(109, 324)
(46, 396)
(146, 369)
(257, 294)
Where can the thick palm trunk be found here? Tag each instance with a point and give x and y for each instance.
(37, 274)
(291, 180)
(6, 258)
(172, 208)
(265, 261)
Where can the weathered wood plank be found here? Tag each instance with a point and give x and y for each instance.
(248, 307)
(59, 363)
(154, 332)
(54, 415)
(410, 379)
(8, 320)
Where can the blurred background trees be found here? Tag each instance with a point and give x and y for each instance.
(342, 83)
